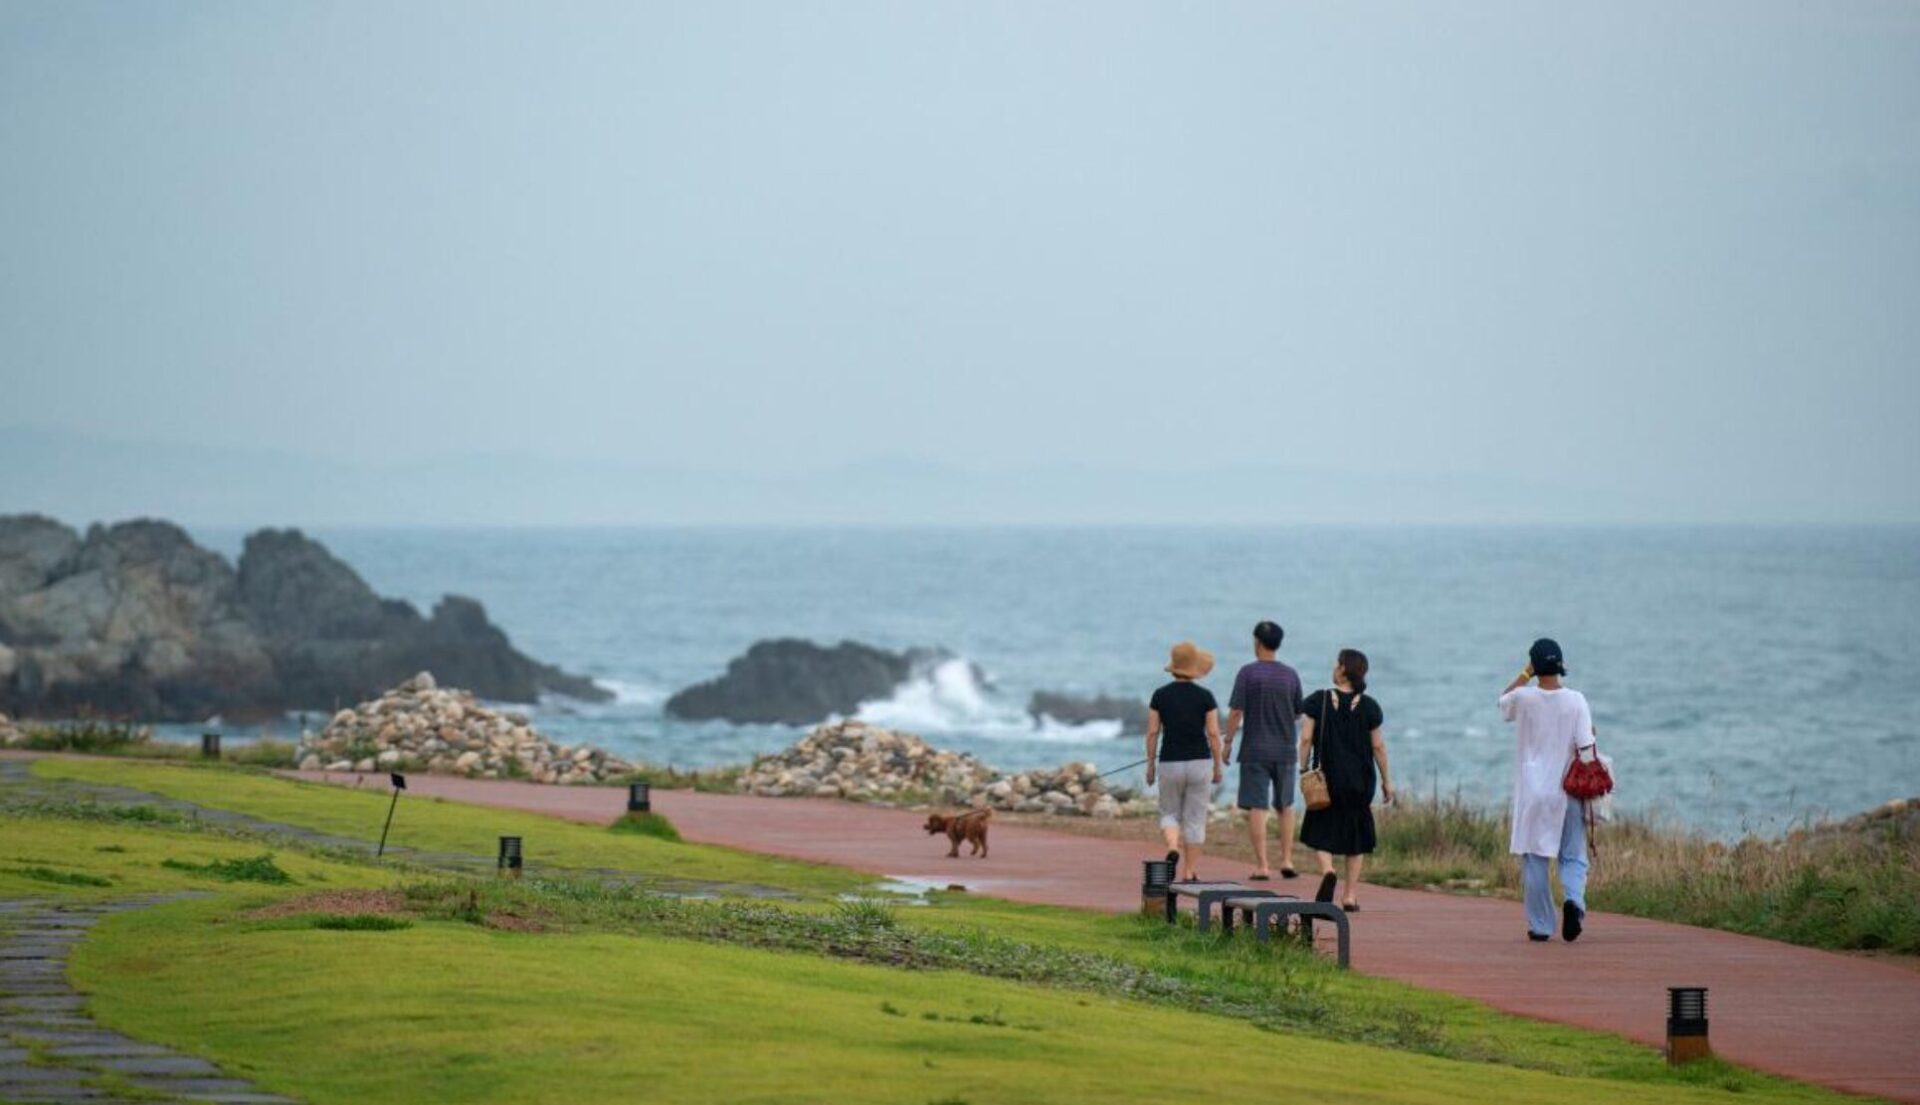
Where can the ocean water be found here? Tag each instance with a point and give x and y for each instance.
(1742, 679)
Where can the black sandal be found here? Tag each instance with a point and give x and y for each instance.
(1289, 873)
(1259, 878)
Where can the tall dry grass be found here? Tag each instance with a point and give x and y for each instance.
(1847, 885)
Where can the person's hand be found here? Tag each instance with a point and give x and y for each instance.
(1216, 774)
(1526, 674)
(1149, 774)
(1386, 793)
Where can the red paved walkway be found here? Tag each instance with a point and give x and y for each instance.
(1832, 1019)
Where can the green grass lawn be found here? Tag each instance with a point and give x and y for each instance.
(605, 1009)
(431, 824)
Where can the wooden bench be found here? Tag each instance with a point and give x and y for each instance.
(1207, 895)
(1264, 911)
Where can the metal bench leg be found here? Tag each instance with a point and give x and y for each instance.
(1340, 925)
(1173, 907)
(1226, 919)
(1263, 926)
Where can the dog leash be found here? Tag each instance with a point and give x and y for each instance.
(1118, 770)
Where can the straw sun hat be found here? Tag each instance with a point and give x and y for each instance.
(1190, 661)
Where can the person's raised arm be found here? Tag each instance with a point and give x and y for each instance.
(1213, 740)
(1380, 761)
(1506, 697)
(1153, 740)
(1306, 740)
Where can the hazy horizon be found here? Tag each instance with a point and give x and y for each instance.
(613, 264)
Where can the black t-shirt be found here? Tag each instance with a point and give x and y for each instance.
(1343, 742)
(1183, 706)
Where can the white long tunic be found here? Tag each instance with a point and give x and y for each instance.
(1551, 725)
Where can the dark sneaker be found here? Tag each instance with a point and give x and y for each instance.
(1570, 917)
(1539, 937)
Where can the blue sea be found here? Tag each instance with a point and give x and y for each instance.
(1742, 679)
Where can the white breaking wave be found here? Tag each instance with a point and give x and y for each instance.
(633, 694)
(949, 698)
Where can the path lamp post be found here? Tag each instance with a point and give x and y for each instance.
(209, 746)
(399, 784)
(639, 797)
(1687, 1024)
(510, 858)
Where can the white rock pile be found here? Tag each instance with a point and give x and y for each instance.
(852, 759)
(864, 762)
(8, 734)
(420, 726)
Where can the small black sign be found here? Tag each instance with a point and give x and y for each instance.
(399, 781)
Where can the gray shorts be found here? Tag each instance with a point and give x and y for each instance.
(1185, 789)
(1266, 784)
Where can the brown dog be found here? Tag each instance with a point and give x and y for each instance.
(970, 826)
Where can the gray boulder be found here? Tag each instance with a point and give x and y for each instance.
(795, 682)
(32, 547)
(134, 620)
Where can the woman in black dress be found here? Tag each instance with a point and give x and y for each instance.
(1341, 735)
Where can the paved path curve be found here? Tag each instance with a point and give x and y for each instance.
(1832, 1019)
(40, 1010)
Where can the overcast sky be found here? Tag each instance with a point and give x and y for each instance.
(1635, 261)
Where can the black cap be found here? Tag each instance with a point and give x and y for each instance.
(1269, 634)
(1545, 657)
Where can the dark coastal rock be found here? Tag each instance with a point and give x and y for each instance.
(136, 620)
(1131, 713)
(337, 642)
(796, 682)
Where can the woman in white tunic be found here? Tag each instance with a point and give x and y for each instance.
(1553, 722)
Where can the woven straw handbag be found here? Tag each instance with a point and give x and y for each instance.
(1313, 781)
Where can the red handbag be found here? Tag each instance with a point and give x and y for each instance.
(1587, 778)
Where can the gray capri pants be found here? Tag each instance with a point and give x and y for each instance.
(1185, 789)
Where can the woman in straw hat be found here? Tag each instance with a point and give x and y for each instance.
(1186, 763)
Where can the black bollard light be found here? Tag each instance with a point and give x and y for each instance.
(639, 797)
(1156, 876)
(209, 746)
(1687, 1024)
(510, 857)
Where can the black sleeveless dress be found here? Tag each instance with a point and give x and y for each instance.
(1343, 726)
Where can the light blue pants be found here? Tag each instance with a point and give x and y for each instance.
(1542, 916)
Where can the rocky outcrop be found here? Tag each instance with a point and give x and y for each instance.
(421, 726)
(136, 620)
(794, 682)
(133, 620)
(1068, 709)
(334, 640)
(9, 735)
(853, 759)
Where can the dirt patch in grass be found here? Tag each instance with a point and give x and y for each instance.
(338, 903)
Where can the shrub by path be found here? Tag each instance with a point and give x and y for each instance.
(1839, 1021)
